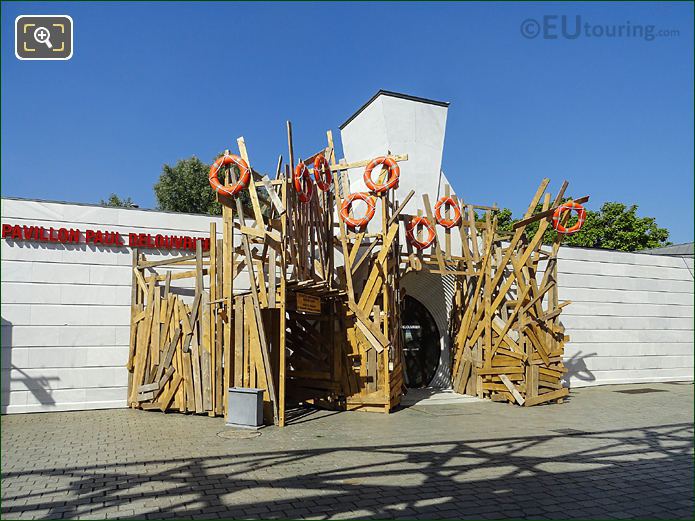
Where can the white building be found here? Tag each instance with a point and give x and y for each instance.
(65, 306)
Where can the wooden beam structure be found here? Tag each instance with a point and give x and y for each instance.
(309, 310)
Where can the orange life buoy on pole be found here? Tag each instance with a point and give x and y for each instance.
(242, 182)
(394, 174)
(447, 201)
(410, 231)
(347, 205)
(568, 207)
(322, 173)
(302, 182)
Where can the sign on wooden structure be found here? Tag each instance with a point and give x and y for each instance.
(308, 303)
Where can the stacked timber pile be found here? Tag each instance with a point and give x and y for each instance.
(173, 361)
(371, 328)
(275, 308)
(508, 339)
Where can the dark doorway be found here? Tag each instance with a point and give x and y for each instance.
(421, 344)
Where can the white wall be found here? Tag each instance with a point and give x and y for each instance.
(66, 308)
(631, 317)
(400, 126)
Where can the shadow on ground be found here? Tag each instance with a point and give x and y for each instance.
(636, 473)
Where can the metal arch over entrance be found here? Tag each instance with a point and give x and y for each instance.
(421, 343)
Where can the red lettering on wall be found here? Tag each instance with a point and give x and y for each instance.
(16, 232)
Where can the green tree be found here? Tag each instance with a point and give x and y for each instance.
(505, 222)
(115, 201)
(184, 187)
(615, 226)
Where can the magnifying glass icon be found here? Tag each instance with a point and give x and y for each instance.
(43, 35)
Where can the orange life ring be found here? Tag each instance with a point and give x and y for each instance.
(347, 205)
(302, 182)
(568, 207)
(242, 182)
(447, 223)
(394, 174)
(322, 170)
(410, 232)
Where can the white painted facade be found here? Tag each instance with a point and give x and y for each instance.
(632, 314)
(392, 123)
(66, 307)
(631, 317)
(65, 310)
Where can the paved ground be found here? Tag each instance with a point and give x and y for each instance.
(603, 454)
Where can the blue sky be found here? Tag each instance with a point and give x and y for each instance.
(151, 83)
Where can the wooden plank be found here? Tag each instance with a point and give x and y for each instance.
(238, 341)
(171, 261)
(341, 223)
(274, 199)
(373, 285)
(220, 333)
(214, 382)
(400, 209)
(258, 215)
(358, 164)
(140, 280)
(142, 347)
(256, 306)
(282, 340)
(188, 381)
(272, 277)
(166, 398)
(195, 368)
(512, 389)
(554, 395)
(546, 213)
(206, 371)
(430, 218)
(166, 362)
(134, 312)
(227, 281)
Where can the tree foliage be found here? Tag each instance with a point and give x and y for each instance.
(615, 226)
(184, 187)
(115, 201)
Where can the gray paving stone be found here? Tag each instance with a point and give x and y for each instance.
(496, 463)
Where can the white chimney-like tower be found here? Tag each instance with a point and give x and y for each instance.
(401, 124)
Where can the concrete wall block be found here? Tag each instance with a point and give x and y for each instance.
(55, 273)
(580, 349)
(59, 401)
(16, 271)
(111, 275)
(618, 257)
(75, 378)
(574, 280)
(589, 322)
(626, 376)
(626, 270)
(627, 297)
(621, 363)
(628, 310)
(30, 293)
(634, 335)
(16, 314)
(53, 357)
(93, 294)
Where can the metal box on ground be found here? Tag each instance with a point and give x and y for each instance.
(245, 408)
